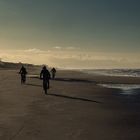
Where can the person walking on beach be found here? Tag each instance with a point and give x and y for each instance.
(45, 75)
(53, 72)
(23, 73)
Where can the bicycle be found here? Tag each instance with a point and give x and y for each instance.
(23, 78)
(45, 85)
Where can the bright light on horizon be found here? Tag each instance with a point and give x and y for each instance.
(66, 58)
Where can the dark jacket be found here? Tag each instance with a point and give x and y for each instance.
(23, 71)
(45, 75)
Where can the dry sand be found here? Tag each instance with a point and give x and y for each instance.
(76, 108)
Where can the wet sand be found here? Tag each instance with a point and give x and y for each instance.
(76, 108)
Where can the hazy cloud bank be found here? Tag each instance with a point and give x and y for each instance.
(72, 58)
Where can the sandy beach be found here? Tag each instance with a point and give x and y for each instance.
(76, 108)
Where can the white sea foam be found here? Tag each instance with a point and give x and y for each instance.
(115, 72)
(125, 88)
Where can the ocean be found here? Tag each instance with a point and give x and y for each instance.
(115, 72)
(127, 89)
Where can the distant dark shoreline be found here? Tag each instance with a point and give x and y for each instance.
(11, 65)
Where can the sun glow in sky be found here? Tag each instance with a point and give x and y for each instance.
(71, 33)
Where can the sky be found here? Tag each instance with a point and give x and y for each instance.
(71, 33)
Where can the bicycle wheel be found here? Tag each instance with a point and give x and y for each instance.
(45, 86)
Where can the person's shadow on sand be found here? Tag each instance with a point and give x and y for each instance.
(74, 98)
(70, 80)
(65, 96)
(34, 85)
(74, 80)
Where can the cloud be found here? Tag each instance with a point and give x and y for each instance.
(76, 58)
(66, 48)
(71, 48)
(34, 50)
(57, 47)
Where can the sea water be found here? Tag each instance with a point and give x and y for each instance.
(115, 72)
(125, 88)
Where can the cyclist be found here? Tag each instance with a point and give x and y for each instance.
(45, 75)
(53, 72)
(23, 73)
